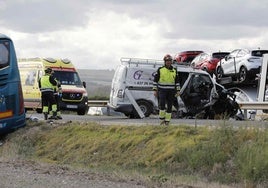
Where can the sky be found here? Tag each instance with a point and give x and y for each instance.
(95, 34)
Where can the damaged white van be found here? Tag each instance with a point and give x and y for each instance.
(131, 91)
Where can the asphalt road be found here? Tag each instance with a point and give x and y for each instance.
(152, 120)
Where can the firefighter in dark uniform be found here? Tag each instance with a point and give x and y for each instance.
(58, 95)
(166, 86)
(47, 84)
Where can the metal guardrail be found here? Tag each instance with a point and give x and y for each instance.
(97, 103)
(243, 105)
(253, 106)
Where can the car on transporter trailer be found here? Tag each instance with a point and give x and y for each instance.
(186, 57)
(208, 61)
(242, 65)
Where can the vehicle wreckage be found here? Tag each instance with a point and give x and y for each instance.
(200, 95)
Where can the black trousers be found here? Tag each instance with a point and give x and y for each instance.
(57, 98)
(48, 99)
(166, 98)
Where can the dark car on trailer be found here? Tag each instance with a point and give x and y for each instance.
(208, 61)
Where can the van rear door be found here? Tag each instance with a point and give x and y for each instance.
(118, 86)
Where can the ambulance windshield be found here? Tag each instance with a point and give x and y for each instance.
(67, 78)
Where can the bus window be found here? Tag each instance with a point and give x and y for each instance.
(4, 54)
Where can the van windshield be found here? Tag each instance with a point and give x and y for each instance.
(67, 78)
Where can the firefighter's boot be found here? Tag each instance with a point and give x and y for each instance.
(45, 115)
(54, 116)
(167, 118)
(162, 114)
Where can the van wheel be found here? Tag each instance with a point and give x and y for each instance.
(146, 108)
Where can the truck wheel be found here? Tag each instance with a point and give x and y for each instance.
(242, 76)
(146, 108)
(219, 73)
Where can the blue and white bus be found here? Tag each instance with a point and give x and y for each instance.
(12, 113)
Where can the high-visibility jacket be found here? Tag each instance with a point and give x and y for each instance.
(166, 78)
(57, 87)
(47, 83)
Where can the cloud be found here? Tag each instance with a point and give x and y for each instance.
(35, 16)
(101, 43)
(97, 33)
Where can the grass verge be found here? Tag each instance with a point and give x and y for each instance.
(161, 154)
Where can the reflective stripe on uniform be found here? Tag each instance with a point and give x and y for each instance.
(46, 89)
(168, 117)
(162, 114)
(166, 86)
(45, 109)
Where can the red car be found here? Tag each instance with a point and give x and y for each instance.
(208, 61)
(186, 57)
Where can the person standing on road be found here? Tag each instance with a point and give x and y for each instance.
(58, 95)
(47, 84)
(166, 86)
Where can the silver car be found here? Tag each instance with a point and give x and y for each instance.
(241, 65)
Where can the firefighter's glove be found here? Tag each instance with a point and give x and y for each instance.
(58, 84)
(60, 92)
(155, 93)
(177, 94)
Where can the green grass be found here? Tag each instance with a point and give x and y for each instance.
(224, 154)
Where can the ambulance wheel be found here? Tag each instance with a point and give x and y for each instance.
(81, 112)
(39, 110)
(145, 106)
